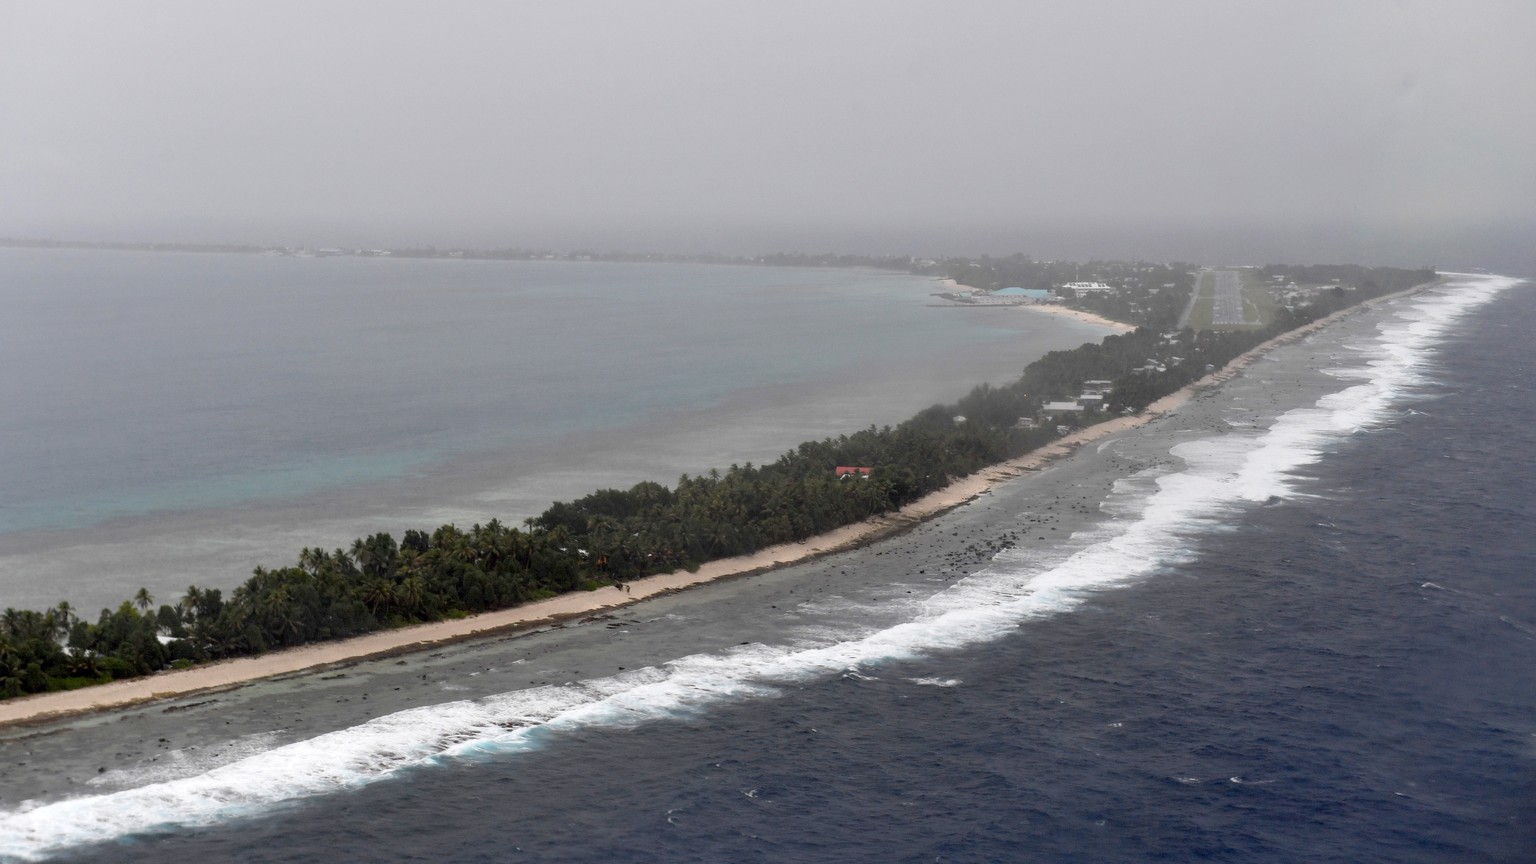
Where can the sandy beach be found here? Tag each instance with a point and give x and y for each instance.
(1051, 309)
(225, 675)
(1078, 315)
(1039, 503)
(229, 673)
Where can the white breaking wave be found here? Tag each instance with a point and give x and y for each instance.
(1152, 517)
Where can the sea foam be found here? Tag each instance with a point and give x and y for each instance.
(1152, 518)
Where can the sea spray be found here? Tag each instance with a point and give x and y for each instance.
(1157, 516)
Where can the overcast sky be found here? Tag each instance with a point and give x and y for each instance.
(1374, 131)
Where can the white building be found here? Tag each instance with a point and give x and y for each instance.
(1088, 287)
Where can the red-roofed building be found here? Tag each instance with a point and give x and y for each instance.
(845, 471)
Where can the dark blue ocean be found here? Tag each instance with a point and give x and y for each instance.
(1324, 651)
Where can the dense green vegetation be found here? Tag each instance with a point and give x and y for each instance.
(1204, 307)
(1258, 298)
(612, 536)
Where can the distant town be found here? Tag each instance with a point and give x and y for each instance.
(1164, 296)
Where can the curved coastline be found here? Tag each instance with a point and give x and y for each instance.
(1079, 315)
(228, 674)
(1053, 309)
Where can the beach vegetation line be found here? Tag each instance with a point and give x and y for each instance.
(611, 536)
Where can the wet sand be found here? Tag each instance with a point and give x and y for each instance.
(1036, 502)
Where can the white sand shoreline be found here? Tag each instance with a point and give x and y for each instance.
(1051, 309)
(227, 674)
(1078, 315)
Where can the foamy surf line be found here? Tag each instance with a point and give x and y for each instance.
(1156, 514)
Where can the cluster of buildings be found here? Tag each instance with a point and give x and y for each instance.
(1003, 297)
(1091, 398)
(1292, 295)
(1015, 296)
(1081, 288)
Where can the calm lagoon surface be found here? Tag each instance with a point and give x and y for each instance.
(173, 419)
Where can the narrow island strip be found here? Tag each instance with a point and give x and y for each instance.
(225, 674)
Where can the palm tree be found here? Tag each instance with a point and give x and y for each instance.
(10, 671)
(190, 601)
(10, 621)
(143, 599)
(314, 560)
(65, 618)
(25, 625)
(278, 614)
(378, 594)
(410, 594)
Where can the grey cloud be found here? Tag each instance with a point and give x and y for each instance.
(676, 125)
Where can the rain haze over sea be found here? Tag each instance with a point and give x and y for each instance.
(1369, 132)
(1292, 621)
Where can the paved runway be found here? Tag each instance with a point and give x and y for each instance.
(1229, 300)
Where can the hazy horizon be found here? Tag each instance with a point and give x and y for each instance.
(1374, 132)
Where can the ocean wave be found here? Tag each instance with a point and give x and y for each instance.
(1151, 519)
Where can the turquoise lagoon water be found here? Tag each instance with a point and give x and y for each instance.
(178, 418)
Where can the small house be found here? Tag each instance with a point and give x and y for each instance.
(1098, 385)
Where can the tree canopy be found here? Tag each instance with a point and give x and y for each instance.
(613, 536)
